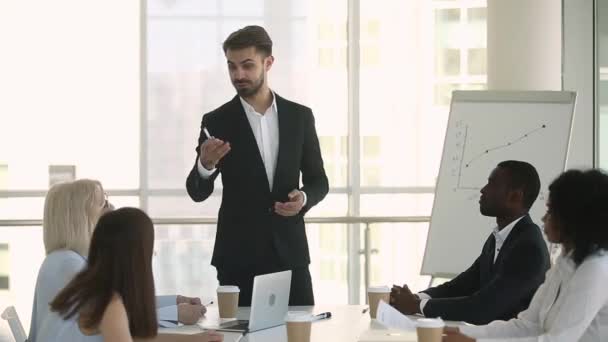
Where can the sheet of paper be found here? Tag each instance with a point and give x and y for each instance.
(391, 318)
(167, 324)
(388, 335)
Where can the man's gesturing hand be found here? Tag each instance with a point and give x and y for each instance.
(212, 151)
(293, 206)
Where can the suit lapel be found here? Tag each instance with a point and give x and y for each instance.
(489, 262)
(513, 235)
(250, 145)
(285, 124)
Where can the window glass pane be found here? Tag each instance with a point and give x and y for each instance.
(183, 257)
(477, 61)
(182, 7)
(396, 204)
(329, 262)
(123, 201)
(32, 208)
(476, 38)
(400, 250)
(24, 208)
(476, 27)
(448, 62)
(443, 93)
(447, 41)
(3, 176)
(79, 104)
(183, 206)
(333, 205)
(298, 7)
(182, 261)
(474, 86)
(334, 150)
(602, 98)
(243, 8)
(4, 266)
(180, 83)
(187, 76)
(21, 254)
(403, 120)
(387, 112)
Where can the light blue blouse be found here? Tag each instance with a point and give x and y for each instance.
(56, 329)
(56, 271)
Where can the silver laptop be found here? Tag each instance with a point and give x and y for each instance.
(269, 304)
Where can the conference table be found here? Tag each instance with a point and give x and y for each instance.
(347, 324)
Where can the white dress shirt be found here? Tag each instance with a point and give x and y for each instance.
(265, 128)
(571, 305)
(500, 236)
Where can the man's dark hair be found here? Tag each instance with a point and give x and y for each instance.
(578, 203)
(522, 176)
(249, 36)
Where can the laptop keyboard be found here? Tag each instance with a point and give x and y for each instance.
(237, 325)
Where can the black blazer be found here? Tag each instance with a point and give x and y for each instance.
(489, 291)
(249, 234)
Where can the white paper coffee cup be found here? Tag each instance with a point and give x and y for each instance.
(298, 326)
(430, 329)
(374, 295)
(228, 301)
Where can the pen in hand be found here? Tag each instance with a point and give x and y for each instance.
(207, 134)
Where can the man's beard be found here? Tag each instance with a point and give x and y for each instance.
(251, 91)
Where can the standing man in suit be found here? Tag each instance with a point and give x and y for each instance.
(260, 143)
(512, 264)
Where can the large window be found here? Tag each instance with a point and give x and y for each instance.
(404, 80)
(93, 114)
(70, 107)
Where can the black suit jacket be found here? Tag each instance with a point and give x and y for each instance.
(491, 290)
(249, 234)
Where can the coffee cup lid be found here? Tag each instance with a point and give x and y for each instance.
(378, 289)
(298, 316)
(228, 289)
(430, 323)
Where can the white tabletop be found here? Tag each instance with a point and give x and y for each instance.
(346, 325)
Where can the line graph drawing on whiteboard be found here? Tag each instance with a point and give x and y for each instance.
(462, 139)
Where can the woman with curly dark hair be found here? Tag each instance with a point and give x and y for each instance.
(572, 304)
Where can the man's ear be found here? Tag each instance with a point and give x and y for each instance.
(268, 61)
(517, 196)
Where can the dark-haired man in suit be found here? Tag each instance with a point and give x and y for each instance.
(260, 143)
(512, 264)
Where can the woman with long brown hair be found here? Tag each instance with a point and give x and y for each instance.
(113, 299)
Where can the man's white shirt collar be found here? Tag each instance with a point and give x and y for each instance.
(501, 235)
(250, 110)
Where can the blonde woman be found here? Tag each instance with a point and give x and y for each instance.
(71, 211)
